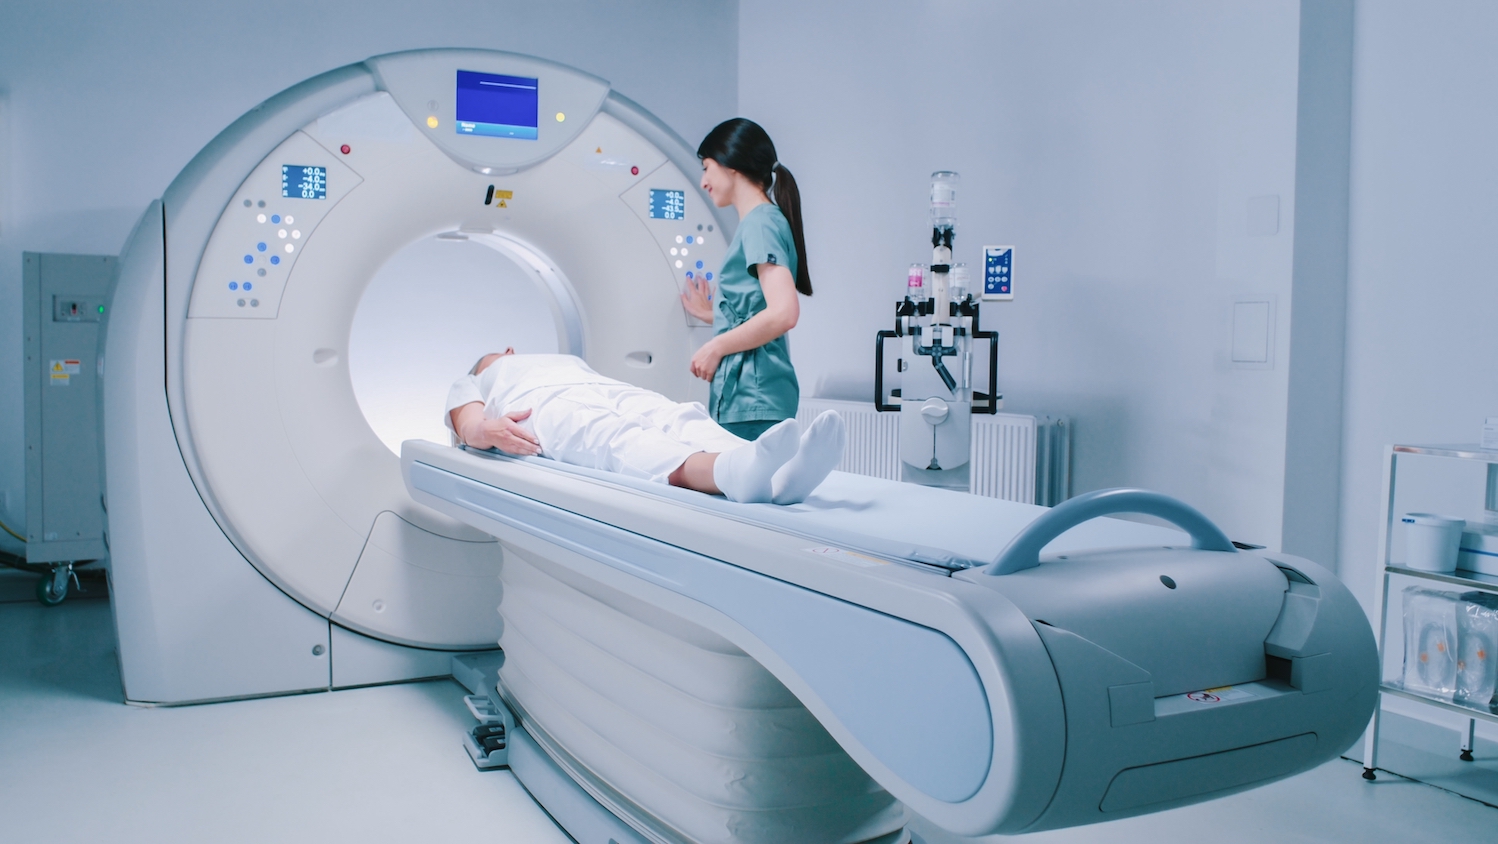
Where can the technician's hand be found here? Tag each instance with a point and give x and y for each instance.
(698, 300)
(506, 434)
(705, 362)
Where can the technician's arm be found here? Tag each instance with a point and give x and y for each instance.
(782, 311)
(503, 433)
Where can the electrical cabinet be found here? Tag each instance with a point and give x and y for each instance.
(66, 304)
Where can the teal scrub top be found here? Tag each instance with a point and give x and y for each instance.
(759, 384)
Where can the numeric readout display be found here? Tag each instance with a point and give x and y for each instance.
(299, 181)
(668, 204)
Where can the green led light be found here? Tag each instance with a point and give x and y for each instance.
(101, 309)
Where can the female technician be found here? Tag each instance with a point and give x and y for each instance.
(748, 360)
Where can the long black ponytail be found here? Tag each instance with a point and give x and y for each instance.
(741, 144)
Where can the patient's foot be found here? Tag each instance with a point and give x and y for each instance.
(744, 473)
(821, 450)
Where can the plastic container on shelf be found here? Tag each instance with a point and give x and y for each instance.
(1432, 541)
(1479, 549)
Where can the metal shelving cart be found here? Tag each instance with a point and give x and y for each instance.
(1469, 581)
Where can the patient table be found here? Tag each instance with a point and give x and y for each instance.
(714, 671)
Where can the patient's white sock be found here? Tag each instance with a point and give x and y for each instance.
(744, 473)
(821, 450)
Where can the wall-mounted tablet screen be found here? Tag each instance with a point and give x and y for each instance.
(497, 106)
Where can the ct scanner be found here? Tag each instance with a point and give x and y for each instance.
(679, 668)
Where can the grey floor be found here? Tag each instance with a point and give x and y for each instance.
(384, 764)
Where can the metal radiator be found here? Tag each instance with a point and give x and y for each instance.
(1015, 457)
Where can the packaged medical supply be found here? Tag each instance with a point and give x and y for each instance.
(1431, 541)
(1430, 646)
(1477, 650)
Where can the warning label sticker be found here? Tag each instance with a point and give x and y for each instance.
(847, 556)
(62, 371)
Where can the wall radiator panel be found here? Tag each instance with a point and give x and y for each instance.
(1015, 457)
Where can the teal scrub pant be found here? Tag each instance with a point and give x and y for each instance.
(750, 430)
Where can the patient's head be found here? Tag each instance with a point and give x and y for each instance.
(483, 362)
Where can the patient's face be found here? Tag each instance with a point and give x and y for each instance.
(491, 358)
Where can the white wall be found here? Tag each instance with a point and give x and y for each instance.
(108, 101)
(1116, 145)
(1422, 335)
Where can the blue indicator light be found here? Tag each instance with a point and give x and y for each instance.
(689, 238)
(260, 246)
(274, 259)
(249, 259)
(275, 218)
(233, 285)
(699, 265)
(709, 276)
(247, 285)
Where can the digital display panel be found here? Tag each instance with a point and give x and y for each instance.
(668, 204)
(300, 181)
(497, 106)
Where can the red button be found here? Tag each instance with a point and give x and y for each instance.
(634, 171)
(344, 149)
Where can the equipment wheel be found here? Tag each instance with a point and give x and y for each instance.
(47, 595)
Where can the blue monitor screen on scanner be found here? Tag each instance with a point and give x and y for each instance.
(497, 106)
(300, 181)
(668, 204)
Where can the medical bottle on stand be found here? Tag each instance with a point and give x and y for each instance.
(915, 283)
(944, 199)
(959, 292)
(943, 222)
(958, 285)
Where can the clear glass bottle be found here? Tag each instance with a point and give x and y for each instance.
(944, 199)
(957, 287)
(915, 282)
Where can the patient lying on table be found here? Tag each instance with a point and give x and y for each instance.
(558, 407)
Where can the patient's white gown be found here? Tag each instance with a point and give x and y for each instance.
(587, 419)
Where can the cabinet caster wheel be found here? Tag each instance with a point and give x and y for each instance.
(47, 594)
(1466, 756)
(1369, 775)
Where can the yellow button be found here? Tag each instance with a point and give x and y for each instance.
(432, 121)
(561, 117)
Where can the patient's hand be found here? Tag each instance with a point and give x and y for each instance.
(504, 433)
